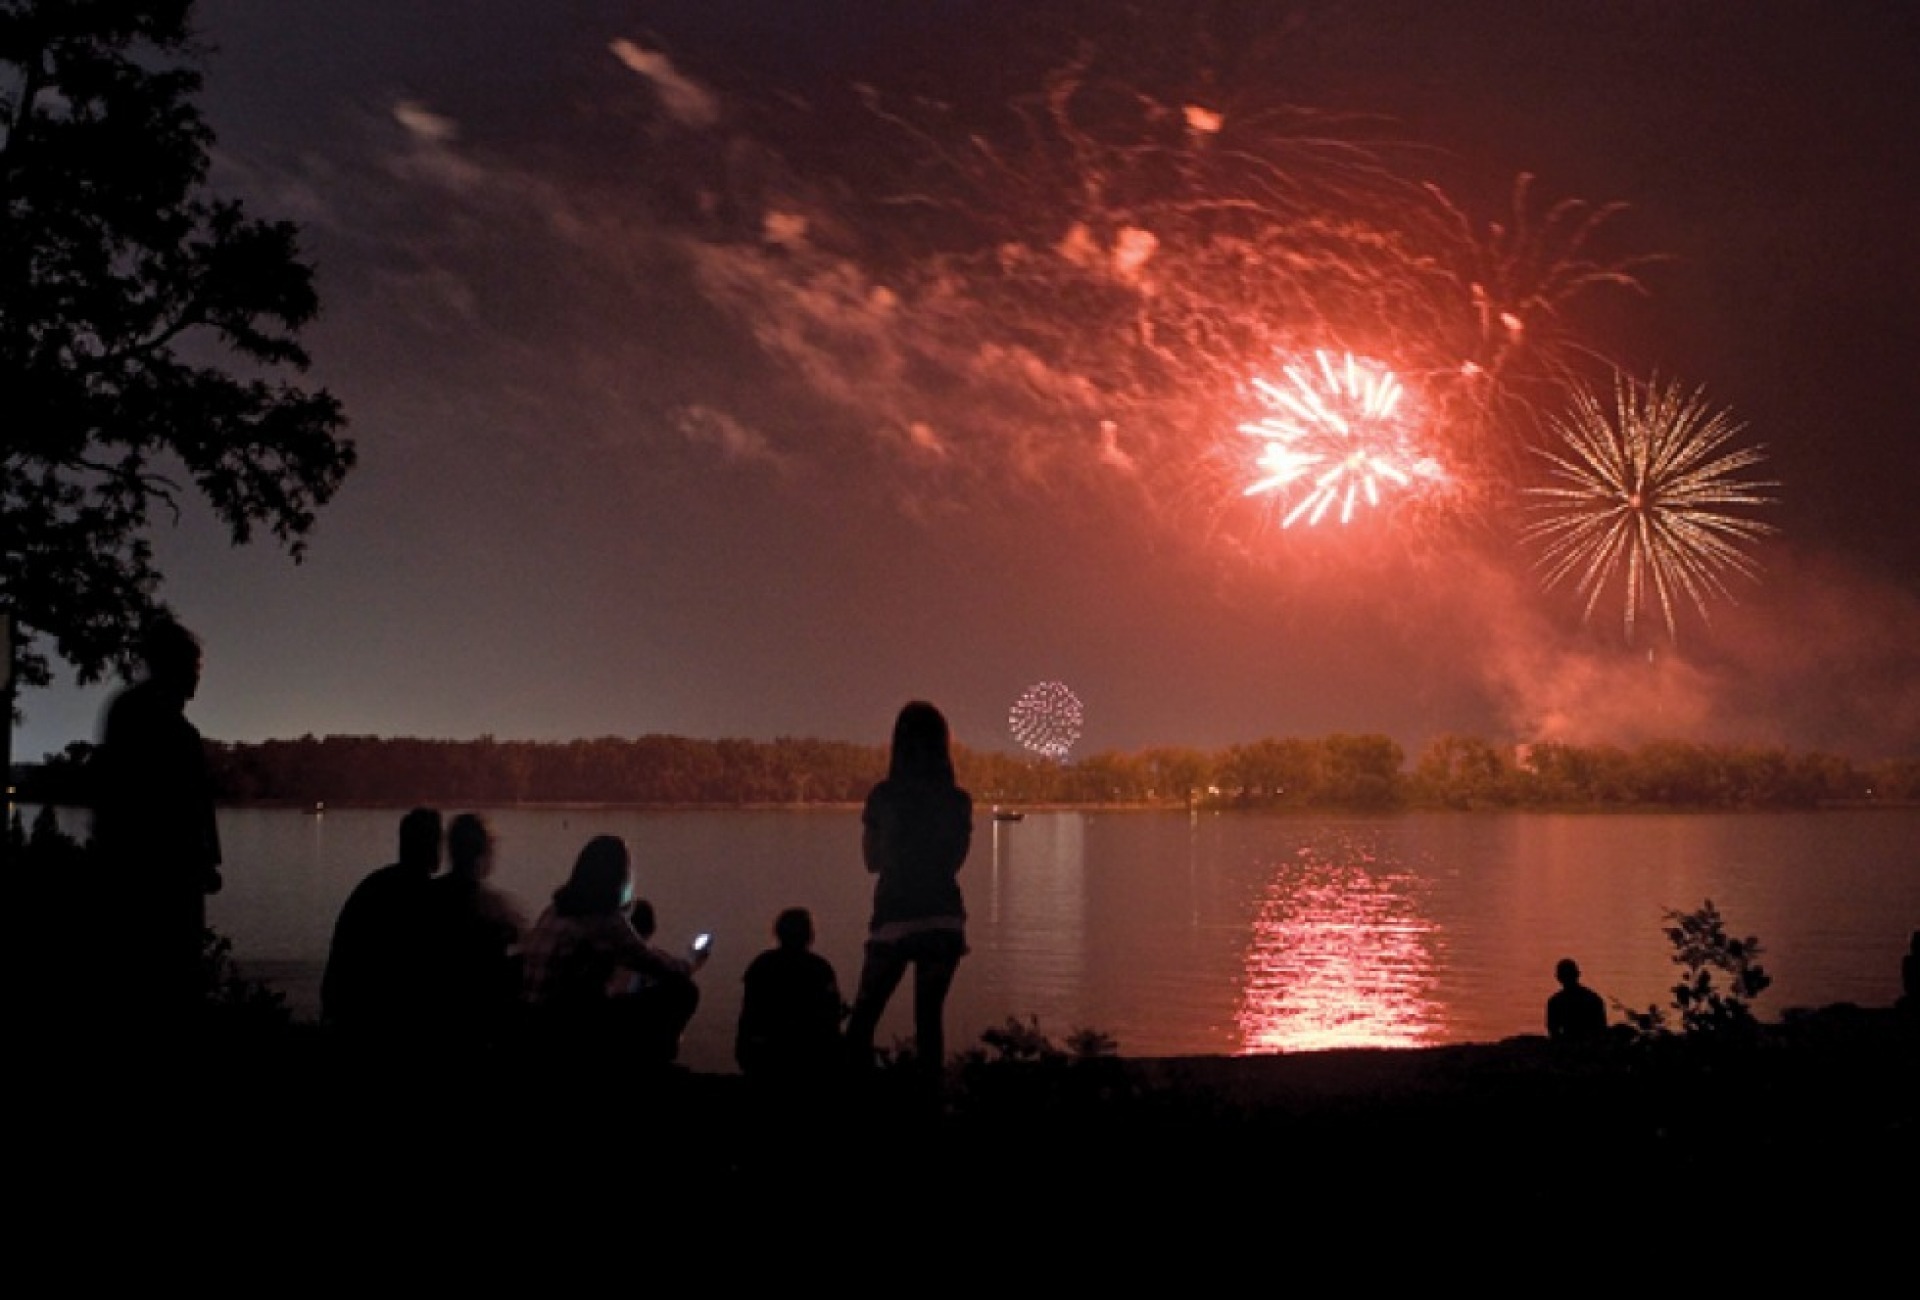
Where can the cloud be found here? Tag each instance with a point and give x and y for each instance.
(823, 318)
(1816, 657)
(926, 438)
(1592, 697)
(709, 426)
(1828, 654)
(785, 229)
(685, 100)
(425, 125)
(1204, 121)
(430, 154)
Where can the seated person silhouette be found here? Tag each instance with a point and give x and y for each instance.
(375, 985)
(790, 1011)
(474, 970)
(580, 955)
(1576, 1013)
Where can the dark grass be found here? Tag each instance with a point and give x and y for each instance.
(1816, 1112)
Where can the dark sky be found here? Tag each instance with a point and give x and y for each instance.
(746, 369)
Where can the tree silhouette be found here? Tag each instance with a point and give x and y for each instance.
(148, 332)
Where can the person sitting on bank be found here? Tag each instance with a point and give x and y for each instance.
(375, 985)
(580, 944)
(1576, 1013)
(474, 971)
(791, 1008)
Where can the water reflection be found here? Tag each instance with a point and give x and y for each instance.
(1341, 955)
(1190, 935)
(1029, 925)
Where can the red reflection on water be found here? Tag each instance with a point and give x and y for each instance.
(1340, 957)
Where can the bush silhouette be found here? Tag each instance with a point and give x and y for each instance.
(1705, 952)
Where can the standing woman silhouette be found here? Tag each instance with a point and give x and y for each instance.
(916, 829)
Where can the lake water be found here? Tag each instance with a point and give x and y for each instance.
(1177, 934)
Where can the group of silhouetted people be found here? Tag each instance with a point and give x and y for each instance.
(424, 960)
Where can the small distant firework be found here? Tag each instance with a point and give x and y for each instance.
(1639, 501)
(1046, 719)
(1336, 432)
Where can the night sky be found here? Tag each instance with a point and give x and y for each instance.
(735, 369)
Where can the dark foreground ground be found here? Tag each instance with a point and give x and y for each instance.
(1805, 1141)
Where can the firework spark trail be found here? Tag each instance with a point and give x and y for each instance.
(1521, 276)
(1338, 425)
(1133, 260)
(1506, 312)
(1063, 289)
(1639, 501)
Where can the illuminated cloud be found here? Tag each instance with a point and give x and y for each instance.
(430, 153)
(784, 229)
(1111, 453)
(685, 100)
(822, 318)
(1131, 251)
(424, 124)
(1203, 120)
(708, 426)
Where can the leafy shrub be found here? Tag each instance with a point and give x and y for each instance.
(1019, 1067)
(1705, 952)
(231, 997)
(1017, 1041)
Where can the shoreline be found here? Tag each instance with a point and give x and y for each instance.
(985, 808)
(1817, 1119)
(1867, 1056)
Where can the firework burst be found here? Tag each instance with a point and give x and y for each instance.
(1639, 501)
(1047, 719)
(1053, 294)
(1335, 433)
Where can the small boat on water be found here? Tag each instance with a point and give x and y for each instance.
(1008, 814)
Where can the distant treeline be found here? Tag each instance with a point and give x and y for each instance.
(1336, 771)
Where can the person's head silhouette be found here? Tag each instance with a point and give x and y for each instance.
(793, 928)
(420, 838)
(602, 879)
(469, 846)
(922, 745)
(172, 656)
(1567, 972)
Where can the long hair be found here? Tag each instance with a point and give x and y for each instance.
(600, 879)
(922, 745)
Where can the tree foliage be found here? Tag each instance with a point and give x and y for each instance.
(1297, 773)
(149, 331)
(1707, 954)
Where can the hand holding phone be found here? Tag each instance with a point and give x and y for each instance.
(702, 942)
